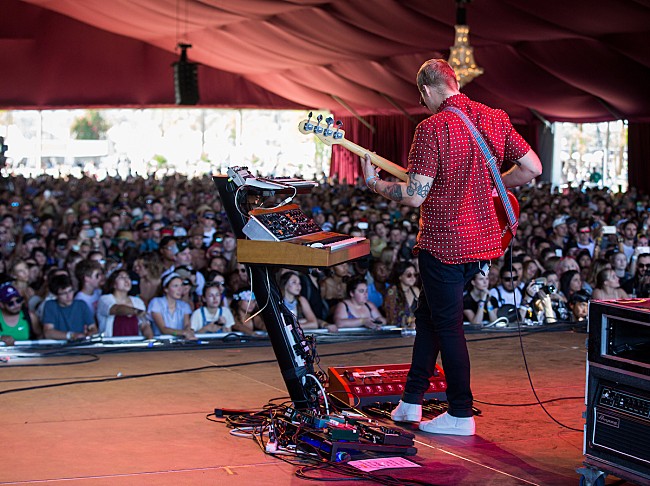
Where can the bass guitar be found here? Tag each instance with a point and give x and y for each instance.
(330, 135)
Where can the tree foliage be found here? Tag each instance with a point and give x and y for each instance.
(91, 126)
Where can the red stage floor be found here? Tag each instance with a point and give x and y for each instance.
(153, 430)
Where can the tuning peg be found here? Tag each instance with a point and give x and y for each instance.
(318, 128)
(337, 133)
(308, 124)
(328, 131)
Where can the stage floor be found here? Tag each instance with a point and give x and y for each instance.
(153, 429)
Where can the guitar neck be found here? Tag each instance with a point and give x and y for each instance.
(385, 164)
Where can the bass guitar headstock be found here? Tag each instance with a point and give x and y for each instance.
(327, 133)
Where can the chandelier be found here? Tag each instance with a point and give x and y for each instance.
(461, 54)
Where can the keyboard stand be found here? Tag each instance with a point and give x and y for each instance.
(293, 351)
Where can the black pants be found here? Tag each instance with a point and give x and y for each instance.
(439, 326)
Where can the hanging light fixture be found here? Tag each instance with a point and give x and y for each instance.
(461, 54)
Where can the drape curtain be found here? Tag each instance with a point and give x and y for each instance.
(392, 140)
(638, 156)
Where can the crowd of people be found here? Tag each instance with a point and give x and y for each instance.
(150, 257)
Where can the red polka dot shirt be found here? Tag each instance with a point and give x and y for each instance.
(458, 223)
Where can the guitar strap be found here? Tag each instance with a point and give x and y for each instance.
(492, 166)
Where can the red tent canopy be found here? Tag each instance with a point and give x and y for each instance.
(582, 60)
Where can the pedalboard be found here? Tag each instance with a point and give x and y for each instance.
(363, 385)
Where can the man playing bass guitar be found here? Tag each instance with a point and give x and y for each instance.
(459, 232)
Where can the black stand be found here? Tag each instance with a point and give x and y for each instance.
(289, 344)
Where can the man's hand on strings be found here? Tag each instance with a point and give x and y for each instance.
(370, 172)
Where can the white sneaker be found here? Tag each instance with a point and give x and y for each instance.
(449, 425)
(406, 412)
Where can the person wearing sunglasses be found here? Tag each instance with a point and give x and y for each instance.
(639, 284)
(402, 296)
(509, 291)
(17, 323)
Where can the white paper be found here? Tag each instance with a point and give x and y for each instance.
(367, 465)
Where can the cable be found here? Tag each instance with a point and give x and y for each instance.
(581, 397)
(285, 201)
(322, 390)
(93, 358)
(523, 355)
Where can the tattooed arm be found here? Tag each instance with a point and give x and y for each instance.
(411, 193)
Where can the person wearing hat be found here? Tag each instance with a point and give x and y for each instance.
(29, 242)
(61, 249)
(144, 236)
(559, 234)
(17, 323)
(579, 305)
(182, 258)
(209, 223)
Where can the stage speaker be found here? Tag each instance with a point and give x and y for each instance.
(617, 432)
(186, 82)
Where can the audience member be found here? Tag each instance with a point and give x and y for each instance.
(478, 305)
(597, 266)
(246, 313)
(89, 274)
(608, 286)
(116, 222)
(120, 314)
(333, 286)
(584, 240)
(64, 317)
(508, 292)
(356, 310)
(169, 313)
(570, 283)
(213, 316)
(290, 288)
(148, 267)
(20, 274)
(627, 241)
(536, 305)
(17, 322)
(619, 265)
(639, 284)
(402, 296)
(310, 284)
(579, 305)
(377, 280)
